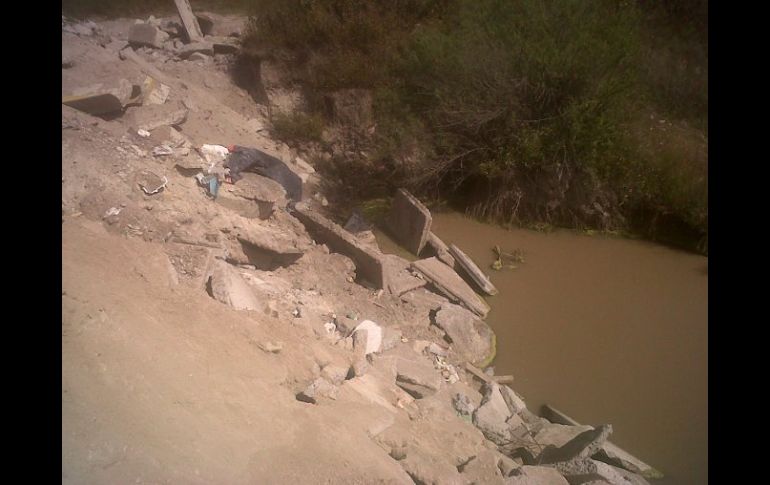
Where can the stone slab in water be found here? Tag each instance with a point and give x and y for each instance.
(448, 282)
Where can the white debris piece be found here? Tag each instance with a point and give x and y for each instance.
(373, 335)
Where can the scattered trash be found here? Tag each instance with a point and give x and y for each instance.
(296, 313)
(162, 151)
(211, 182)
(112, 211)
(151, 183)
(143, 133)
(330, 327)
(214, 153)
(516, 257)
(448, 371)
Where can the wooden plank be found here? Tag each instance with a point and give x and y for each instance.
(477, 372)
(188, 19)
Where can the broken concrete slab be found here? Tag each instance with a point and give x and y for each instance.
(154, 116)
(581, 447)
(205, 22)
(319, 388)
(372, 337)
(482, 468)
(191, 26)
(227, 286)
(472, 269)
(199, 57)
(417, 377)
(471, 339)
(265, 192)
(535, 475)
(491, 416)
(449, 283)
(187, 51)
(100, 99)
(515, 403)
(369, 263)
(224, 45)
(609, 452)
(154, 92)
(400, 280)
(409, 221)
(588, 471)
(334, 373)
(429, 469)
(146, 35)
(441, 250)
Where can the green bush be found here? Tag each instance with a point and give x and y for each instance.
(297, 126)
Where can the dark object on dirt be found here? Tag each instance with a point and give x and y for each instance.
(242, 159)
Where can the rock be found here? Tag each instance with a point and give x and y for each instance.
(154, 92)
(441, 250)
(436, 349)
(198, 56)
(492, 414)
(206, 48)
(360, 367)
(463, 405)
(581, 447)
(369, 263)
(535, 475)
(334, 373)
(227, 286)
(271, 348)
(471, 339)
(367, 336)
(146, 35)
(473, 270)
(409, 221)
(417, 377)
(450, 284)
(514, 401)
(99, 99)
(317, 389)
(205, 22)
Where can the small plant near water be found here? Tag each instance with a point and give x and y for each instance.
(514, 258)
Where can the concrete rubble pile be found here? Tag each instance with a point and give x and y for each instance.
(389, 337)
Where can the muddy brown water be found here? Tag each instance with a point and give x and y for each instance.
(607, 330)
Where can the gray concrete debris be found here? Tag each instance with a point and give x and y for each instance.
(367, 337)
(450, 284)
(99, 99)
(205, 22)
(191, 26)
(319, 388)
(417, 377)
(471, 338)
(472, 269)
(492, 414)
(482, 468)
(187, 51)
(581, 447)
(266, 193)
(409, 221)
(228, 286)
(463, 405)
(585, 471)
(360, 367)
(271, 348)
(368, 262)
(154, 116)
(334, 373)
(536, 475)
(390, 338)
(441, 250)
(198, 57)
(224, 45)
(507, 465)
(400, 279)
(146, 35)
(430, 469)
(515, 403)
(154, 92)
